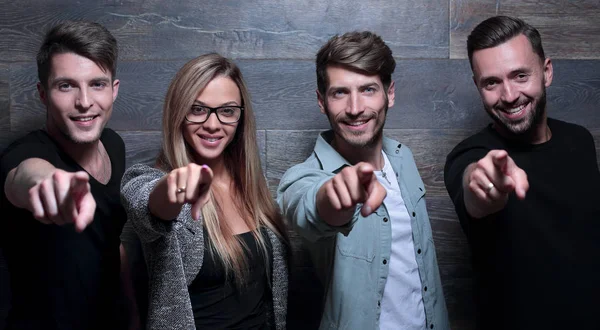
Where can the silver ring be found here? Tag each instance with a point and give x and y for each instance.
(180, 190)
(490, 186)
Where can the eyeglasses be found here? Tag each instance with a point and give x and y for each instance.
(226, 115)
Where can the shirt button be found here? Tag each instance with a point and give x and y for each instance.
(397, 151)
(425, 289)
(385, 219)
(414, 214)
(378, 302)
(431, 326)
(384, 261)
(419, 251)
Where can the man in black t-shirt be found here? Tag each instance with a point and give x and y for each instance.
(525, 191)
(61, 212)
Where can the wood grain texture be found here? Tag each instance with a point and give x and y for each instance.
(283, 95)
(148, 30)
(569, 29)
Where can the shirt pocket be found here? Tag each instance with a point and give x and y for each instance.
(361, 241)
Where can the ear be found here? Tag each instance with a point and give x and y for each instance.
(548, 72)
(115, 89)
(321, 100)
(42, 93)
(391, 94)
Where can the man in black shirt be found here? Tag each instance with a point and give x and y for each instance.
(61, 212)
(525, 191)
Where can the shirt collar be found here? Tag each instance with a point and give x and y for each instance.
(332, 161)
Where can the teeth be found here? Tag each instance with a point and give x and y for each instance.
(515, 110)
(358, 123)
(83, 118)
(211, 139)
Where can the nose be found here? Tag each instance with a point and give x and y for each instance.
(355, 105)
(212, 123)
(84, 100)
(510, 93)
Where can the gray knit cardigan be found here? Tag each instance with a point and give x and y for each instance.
(174, 251)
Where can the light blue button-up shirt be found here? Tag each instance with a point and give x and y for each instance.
(353, 259)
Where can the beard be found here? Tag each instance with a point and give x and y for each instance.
(358, 139)
(524, 126)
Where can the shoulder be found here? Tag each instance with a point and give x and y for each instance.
(36, 144)
(142, 170)
(567, 129)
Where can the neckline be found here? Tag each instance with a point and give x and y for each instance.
(69, 160)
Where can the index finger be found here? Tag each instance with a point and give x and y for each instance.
(365, 174)
(375, 195)
(500, 160)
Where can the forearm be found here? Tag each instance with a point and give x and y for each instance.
(23, 177)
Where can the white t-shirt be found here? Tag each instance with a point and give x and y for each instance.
(402, 302)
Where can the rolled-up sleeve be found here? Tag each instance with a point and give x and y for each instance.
(138, 181)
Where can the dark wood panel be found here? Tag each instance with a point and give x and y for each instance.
(569, 29)
(453, 260)
(4, 97)
(141, 147)
(283, 94)
(242, 29)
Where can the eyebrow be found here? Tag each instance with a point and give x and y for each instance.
(363, 86)
(64, 78)
(230, 103)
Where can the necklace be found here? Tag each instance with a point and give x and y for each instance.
(384, 175)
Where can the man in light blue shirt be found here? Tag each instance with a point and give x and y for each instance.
(359, 200)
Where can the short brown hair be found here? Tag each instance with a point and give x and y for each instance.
(88, 39)
(363, 51)
(498, 30)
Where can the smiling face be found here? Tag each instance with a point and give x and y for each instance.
(356, 106)
(512, 81)
(209, 139)
(79, 98)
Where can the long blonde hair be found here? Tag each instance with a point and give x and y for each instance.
(241, 156)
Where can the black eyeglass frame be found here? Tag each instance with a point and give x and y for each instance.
(210, 112)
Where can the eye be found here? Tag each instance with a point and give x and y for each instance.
(99, 84)
(338, 93)
(369, 90)
(227, 111)
(199, 110)
(490, 84)
(522, 77)
(64, 86)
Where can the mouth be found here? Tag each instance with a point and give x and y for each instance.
(211, 139)
(356, 124)
(83, 119)
(516, 112)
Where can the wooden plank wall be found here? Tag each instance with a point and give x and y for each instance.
(274, 43)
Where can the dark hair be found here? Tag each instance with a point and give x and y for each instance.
(361, 51)
(499, 29)
(87, 39)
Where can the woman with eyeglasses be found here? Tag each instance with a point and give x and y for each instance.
(214, 242)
